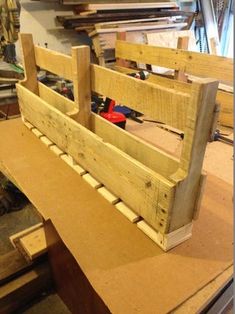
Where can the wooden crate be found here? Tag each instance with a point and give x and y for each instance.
(198, 65)
(164, 191)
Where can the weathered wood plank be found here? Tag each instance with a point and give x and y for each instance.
(199, 123)
(139, 187)
(225, 99)
(226, 106)
(160, 80)
(150, 156)
(34, 243)
(54, 62)
(82, 82)
(159, 103)
(29, 62)
(63, 104)
(190, 62)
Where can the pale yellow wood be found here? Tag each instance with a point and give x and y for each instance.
(81, 81)
(92, 181)
(226, 108)
(63, 104)
(199, 123)
(86, 13)
(68, 159)
(143, 27)
(147, 154)
(214, 46)
(225, 99)
(190, 62)
(160, 80)
(46, 141)
(125, 6)
(149, 193)
(157, 102)
(13, 238)
(54, 62)
(122, 36)
(166, 199)
(166, 241)
(79, 169)
(29, 63)
(72, 163)
(28, 125)
(182, 43)
(34, 243)
(37, 132)
(110, 197)
(55, 149)
(127, 212)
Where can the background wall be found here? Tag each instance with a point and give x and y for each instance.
(38, 18)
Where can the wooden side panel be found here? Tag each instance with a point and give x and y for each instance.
(190, 62)
(199, 123)
(146, 192)
(54, 62)
(157, 102)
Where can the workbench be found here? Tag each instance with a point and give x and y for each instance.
(101, 262)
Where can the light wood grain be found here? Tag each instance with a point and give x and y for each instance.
(54, 62)
(34, 243)
(29, 62)
(159, 103)
(81, 81)
(190, 62)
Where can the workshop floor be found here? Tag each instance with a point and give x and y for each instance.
(10, 224)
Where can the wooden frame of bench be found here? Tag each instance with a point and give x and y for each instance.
(164, 191)
(193, 63)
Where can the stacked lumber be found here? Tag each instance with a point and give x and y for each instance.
(87, 16)
(102, 22)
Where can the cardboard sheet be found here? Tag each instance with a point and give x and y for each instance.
(129, 272)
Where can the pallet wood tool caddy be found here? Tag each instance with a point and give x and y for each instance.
(164, 191)
(182, 61)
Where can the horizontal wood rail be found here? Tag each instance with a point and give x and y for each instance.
(194, 63)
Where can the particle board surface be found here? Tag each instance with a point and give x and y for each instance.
(120, 262)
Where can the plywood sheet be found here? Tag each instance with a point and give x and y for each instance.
(129, 272)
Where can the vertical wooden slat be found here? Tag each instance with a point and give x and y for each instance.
(82, 83)
(119, 61)
(29, 63)
(182, 43)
